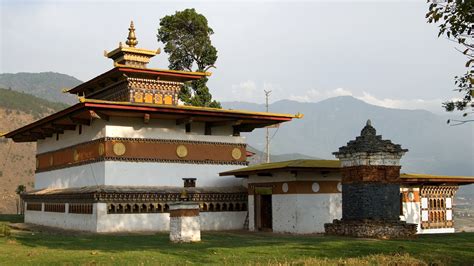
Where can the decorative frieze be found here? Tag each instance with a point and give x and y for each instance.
(143, 150)
(296, 187)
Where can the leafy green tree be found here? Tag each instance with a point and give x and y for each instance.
(456, 18)
(20, 189)
(186, 36)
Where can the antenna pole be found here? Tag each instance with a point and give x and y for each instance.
(267, 137)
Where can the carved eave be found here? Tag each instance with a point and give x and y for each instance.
(120, 73)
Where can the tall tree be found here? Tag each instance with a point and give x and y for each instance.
(186, 36)
(456, 18)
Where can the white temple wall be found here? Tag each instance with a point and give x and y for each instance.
(284, 213)
(77, 176)
(70, 221)
(69, 138)
(314, 210)
(167, 174)
(251, 210)
(304, 213)
(167, 129)
(136, 174)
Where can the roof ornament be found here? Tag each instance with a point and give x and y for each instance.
(131, 39)
(368, 130)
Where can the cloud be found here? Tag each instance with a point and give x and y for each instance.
(314, 95)
(244, 91)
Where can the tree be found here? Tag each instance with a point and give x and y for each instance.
(186, 36)
(20, 189)
(456, 18)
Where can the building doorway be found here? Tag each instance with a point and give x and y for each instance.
(263, 212)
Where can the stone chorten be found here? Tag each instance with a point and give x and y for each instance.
(370, 188)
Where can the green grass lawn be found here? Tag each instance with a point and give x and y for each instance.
(230, 248)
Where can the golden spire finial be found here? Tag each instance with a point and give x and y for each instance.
(131, 39)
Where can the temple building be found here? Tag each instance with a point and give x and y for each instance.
(128, 150)
(118, 158)
(364, 188)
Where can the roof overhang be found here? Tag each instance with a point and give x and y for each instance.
(268, 169)
(435, 179)
(87, 110)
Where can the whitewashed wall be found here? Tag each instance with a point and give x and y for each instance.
(101, 222)
(95, 131)
(167, 174)
(70, 221)
(78, 176)
(167, 129)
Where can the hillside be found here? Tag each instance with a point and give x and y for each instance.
(46, 85)
(17, 160)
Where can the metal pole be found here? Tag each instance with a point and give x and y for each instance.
(267, 137)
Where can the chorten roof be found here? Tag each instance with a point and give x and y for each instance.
(369, 142)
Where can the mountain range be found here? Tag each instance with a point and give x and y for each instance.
(46, 85)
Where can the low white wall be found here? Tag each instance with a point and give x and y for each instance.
(78, 176)
(436, 231)
(216, 221)
(70, 221)
(119, 173)
(138, 222)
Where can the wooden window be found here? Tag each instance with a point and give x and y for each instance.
(188, 127)
(55, 207)
(33, 206)
(81, 208)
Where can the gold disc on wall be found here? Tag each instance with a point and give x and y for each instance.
(101, 149)
(119, 148)
(181, 151)
(75, 155)
(236, 153)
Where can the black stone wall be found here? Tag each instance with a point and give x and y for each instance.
(376, 201)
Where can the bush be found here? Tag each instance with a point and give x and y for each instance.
(5, 231)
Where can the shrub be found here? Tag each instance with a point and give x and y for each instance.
(5, 231)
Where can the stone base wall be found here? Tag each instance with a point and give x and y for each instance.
(371, 229)
(374, 201)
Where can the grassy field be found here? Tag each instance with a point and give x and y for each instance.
(230, 248)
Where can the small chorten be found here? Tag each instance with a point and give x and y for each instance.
(130, 55)
(370, 188)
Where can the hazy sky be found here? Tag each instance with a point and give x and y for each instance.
(382, 52)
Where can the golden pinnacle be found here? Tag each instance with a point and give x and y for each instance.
(131, 39)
